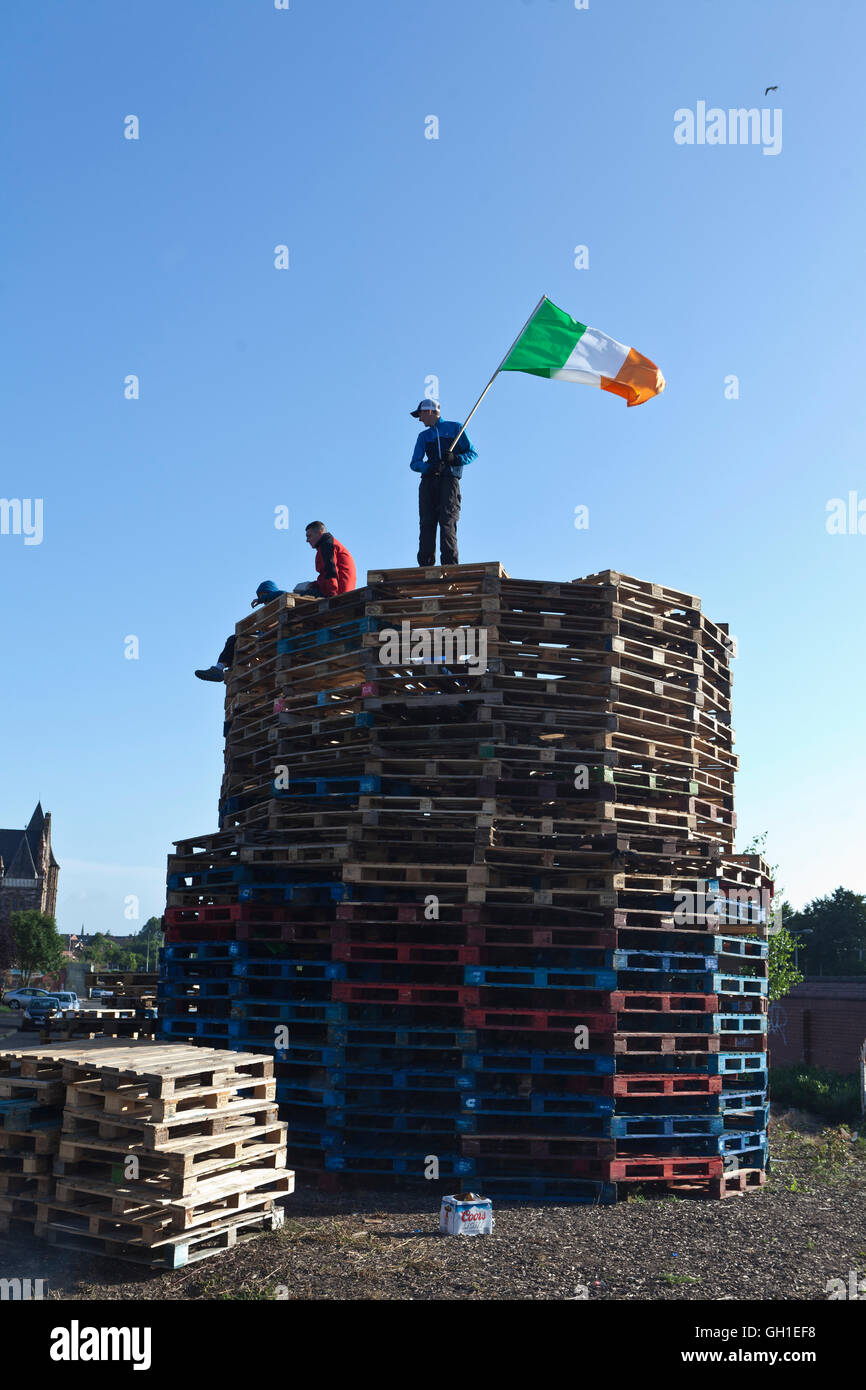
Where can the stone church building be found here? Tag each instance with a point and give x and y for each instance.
(28, 869)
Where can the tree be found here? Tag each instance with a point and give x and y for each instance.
(7, 946)
(150, 932)
(832, 934)
(38, 946)
(148, 941)
(98, 950)
(782, 973)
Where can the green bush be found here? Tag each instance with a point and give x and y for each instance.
(826, 1093)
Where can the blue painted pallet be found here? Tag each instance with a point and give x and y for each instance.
(16, 1115)
(740, 1062)
(327, 786)
(597, 1108)
(313, 1137)
(755, 1118)
(730, 1102)
(191, 1026)
(204, 989)
(663, 1126)
(323, 636)
(743, 946)
(360, 1124)
(356, 1034)
(260, 970)
(523, 977)
(542, 1063)
(739, 1141)
(288, 892)
(739, 1023)
(411, 1079)
(319, 1055)
(738, 984)
(272, 1010)
(748, 1158)
(292, 1093)
(667, 962)
(371, 1161)
(188, 952)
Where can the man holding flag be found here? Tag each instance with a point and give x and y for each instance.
(550, 344)
(439, 457)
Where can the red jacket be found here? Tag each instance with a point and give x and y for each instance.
(334, 566)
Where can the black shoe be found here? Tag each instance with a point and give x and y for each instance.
(213, 673)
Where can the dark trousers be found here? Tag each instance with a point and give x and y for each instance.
(439, 505)
(227, 655)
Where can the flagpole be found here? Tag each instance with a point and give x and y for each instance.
(498, 370)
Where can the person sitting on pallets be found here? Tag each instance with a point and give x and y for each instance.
(336, 575)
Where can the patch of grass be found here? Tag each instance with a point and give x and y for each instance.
(833, 1150)
(681, 1278)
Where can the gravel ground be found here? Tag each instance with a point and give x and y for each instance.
(808, 1225)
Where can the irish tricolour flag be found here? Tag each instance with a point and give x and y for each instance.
(555, 345)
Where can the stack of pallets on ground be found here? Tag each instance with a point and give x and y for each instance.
(484, 905)
(158, 1154)
(127, 987)
(137, 1021)
(31, 1111)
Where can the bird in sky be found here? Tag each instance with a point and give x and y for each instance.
(770, 89)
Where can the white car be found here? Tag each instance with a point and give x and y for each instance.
(68, 1000)
(102, 994)
(20, 998)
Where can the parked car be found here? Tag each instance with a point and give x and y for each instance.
(40, 1011)
(102, 994)
(20, 998)
(68, 1000)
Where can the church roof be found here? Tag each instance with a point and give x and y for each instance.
(21, 850)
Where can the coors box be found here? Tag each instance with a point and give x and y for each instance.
(466, 1215)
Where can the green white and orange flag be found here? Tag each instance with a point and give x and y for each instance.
(555, 345)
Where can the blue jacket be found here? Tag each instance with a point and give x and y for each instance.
(434, 442)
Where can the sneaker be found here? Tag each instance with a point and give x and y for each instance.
(213, 673)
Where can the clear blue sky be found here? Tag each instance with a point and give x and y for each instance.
(411, 257)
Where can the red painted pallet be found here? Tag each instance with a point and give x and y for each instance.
(312, 932)
(555, 1019)
(632, 1001)
(228, 912)
(445, 996)
(649, 1084)
(406, 953)
(655, 1167)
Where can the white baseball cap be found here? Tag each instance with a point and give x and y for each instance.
(427, 404)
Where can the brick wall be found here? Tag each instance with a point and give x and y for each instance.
(822, 1023)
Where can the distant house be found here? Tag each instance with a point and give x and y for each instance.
(28, 869)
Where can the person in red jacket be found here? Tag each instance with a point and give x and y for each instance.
(335, 567)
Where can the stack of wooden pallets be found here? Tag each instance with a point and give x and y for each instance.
(161, 1155)
(475, 886)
